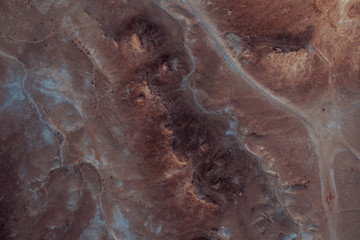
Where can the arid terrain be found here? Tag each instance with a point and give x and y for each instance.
(180, 120)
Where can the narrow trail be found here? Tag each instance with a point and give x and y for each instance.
(331, 77)
(185, 84)
(325, 147)
(21, 41)
(282, 103)
(326, 142)
(324, 137)
(318, 134)
(225, 111)
(351, 149)
(42, 118)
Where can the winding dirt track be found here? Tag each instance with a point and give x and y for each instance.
(282, 103)
(318, 132)
(42, 117)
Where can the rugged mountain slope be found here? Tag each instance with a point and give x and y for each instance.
(179, 119)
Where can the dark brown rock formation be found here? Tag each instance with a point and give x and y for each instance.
(179, 120)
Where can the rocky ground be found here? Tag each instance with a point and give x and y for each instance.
(188, 119)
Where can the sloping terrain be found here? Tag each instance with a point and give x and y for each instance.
(185, 119)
